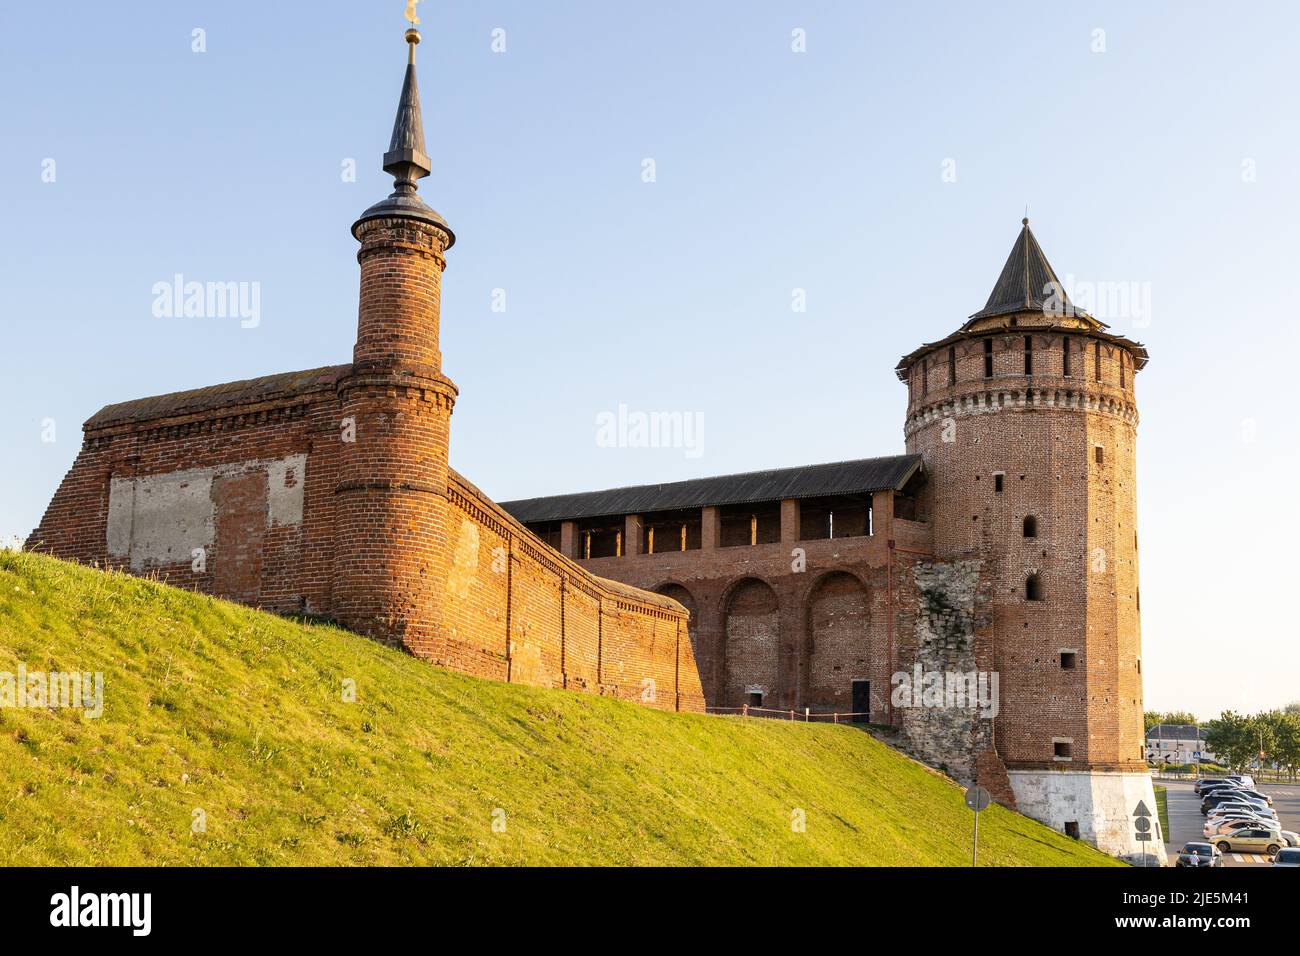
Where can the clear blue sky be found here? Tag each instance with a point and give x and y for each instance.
(775, 171)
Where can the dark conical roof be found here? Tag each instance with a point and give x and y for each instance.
(406, 149)
(406, 159)
(1027, 282)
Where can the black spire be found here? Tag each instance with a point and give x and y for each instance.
(1027, 282)
(406, 158)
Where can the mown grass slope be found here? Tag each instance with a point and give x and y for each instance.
(234, 717)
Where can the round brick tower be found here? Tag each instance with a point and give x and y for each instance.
(391, 535)
(1026, 419)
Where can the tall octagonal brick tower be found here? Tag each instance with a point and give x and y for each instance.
(1026, 419)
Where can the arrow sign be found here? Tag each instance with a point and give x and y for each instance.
(1142, 826)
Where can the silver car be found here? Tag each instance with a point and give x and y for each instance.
(1249, 840)
(1257, 808)
(1287, 857)
(1289, 837)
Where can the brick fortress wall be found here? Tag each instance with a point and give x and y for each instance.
(239, 502)
(329, 492)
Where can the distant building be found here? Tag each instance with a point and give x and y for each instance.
(1178, 743)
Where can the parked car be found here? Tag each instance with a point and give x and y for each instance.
(1232, 793)
(1228, 824)
(1224, 791)
(1249, 840)
(1289, 837)
(1209, 785)
(1227, 807)
(1242, 780)
(1199, 854)
(1287, 857)
(1214, 801)
(1255, 813)
(1206, 782)
(1255, 794)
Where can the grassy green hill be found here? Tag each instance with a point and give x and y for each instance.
(216, 708)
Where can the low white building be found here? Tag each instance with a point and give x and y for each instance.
(1178, 743)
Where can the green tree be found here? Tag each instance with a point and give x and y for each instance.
(1234, 739)
(1282, 734)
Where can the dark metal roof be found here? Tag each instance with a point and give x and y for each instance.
(1026, 282)
(1020, 288)
(406, 151)
(230, 395)
(836, 478)
(407, 159)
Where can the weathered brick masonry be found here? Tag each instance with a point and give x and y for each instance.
(328, 492)
(1004, 545)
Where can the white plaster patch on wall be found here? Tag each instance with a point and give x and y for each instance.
(160, 519)
(464, 560)
(285, 481)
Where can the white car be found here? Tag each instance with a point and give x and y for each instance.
(1234, 815)
(1224, 809)
(1228, 823)
(1290, 837)
(1224, 824)
(1261, 809)
(1256, 796)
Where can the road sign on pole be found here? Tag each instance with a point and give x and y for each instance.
(977, 798)
(1142, 827)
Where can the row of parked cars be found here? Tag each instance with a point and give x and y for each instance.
(1239, 819)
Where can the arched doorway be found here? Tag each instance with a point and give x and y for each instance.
(839, 652)
(686, 600)
(751, 624)
(703, 651)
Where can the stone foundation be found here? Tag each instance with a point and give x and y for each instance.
(1100, 802)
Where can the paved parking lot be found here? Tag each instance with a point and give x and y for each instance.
(1186, 822)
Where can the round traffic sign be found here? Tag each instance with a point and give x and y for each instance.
(977, 798)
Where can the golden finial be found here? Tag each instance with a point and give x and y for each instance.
(412, 34)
